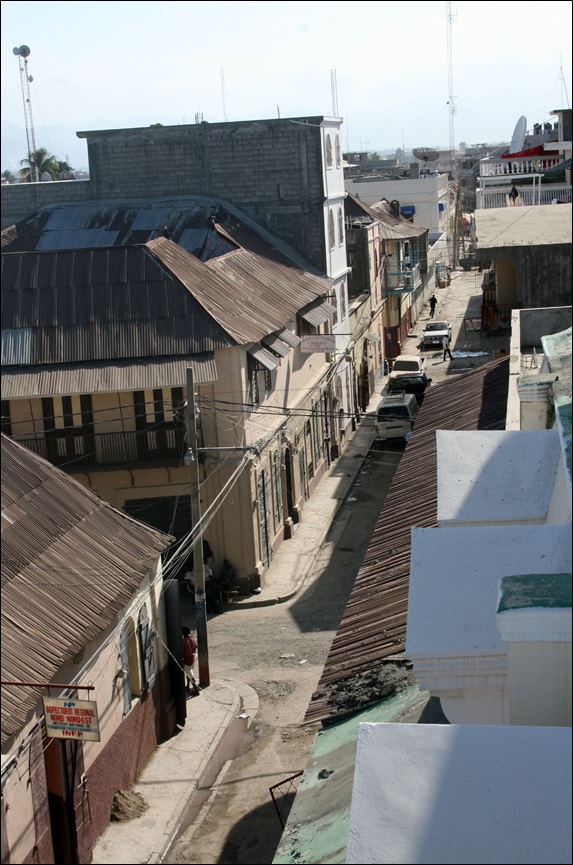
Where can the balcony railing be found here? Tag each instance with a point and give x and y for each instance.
(529, 195)
(508, 167)
(74, 452)
(405, 280)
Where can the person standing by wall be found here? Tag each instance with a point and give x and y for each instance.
(189, 652)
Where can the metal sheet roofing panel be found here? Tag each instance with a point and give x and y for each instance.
(264, 357)
(277, 345)
(373, 627)
(105, 377)
(70, 563)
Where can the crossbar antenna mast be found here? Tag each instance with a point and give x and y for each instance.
(224, 96)
(334, 93)
(451, 103)
(22, 53)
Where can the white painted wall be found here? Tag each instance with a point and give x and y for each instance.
(427, 793)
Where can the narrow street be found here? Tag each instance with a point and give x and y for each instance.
(280, 650)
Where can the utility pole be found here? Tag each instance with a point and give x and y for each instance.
(192, 460)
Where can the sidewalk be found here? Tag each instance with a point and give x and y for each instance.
(176, 781)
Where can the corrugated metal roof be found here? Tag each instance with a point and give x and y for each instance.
(110, 304)
(70, 563)
(391, 227)
(105, 377)
(251, 296)
(373, 627)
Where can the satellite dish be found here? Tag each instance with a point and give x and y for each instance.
(426, 154)
(23, 51)
(518, 137)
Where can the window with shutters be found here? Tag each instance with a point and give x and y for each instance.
(147, 655)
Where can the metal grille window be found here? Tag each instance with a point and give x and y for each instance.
(277, 488)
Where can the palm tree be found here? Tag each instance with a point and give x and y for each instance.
(45, 162)
(8, 175)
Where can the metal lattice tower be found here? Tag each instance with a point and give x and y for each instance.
(451, 103)
(22, 53)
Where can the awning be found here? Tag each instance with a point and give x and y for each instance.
(263, 356)
(289, 337)
(318, 312)
(24, 382)
(275, 344)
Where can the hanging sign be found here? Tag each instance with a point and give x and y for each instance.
(71, 719)
(325, 342)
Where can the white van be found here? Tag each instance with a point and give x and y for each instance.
(395, 416)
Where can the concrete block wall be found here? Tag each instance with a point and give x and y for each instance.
(19, 200)
(271, 169)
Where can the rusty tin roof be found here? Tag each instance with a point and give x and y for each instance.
(70, 563)
(373, 627)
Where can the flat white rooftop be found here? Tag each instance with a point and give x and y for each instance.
(429, 794)
(454, 582)
(490, 477)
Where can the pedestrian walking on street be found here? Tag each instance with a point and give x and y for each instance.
(446, 347)
(433, 302)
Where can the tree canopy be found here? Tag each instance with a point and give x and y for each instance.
(49, 166)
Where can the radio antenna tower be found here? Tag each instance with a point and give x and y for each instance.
(451, 103)
(22, 53)
(334, 92)
(224, 96)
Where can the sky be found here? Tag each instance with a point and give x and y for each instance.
(384, 67)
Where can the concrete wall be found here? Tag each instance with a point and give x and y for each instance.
(272, 169)
(543, 273)
(19, 200)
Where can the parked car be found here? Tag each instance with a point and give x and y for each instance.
(395, 417)
(407, 363)
(434, 332)
(414, 382)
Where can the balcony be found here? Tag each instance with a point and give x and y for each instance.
(497, 196)
(82, 452)
(405, 280)
(518, 167)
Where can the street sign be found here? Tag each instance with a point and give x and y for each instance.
(71, 719)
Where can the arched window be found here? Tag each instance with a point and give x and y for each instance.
(331, 237)
(340, 226)
(338, 152)
(328, 152)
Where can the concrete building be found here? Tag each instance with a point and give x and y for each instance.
(285, 179)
